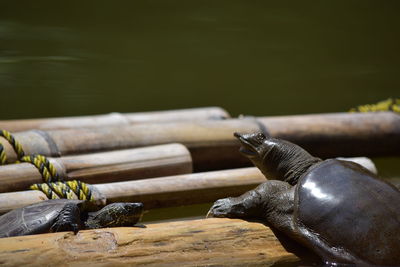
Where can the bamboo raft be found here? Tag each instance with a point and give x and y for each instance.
(162, 192)
(149, 157)
(212, 144)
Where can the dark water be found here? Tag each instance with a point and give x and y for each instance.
(63, 58)
(256, 57)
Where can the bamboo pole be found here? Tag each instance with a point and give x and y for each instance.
(394, 181)
(159, 192)
(204, 242)
(113, 119)
(164, 192)
(120, 165)
(213, 146)
(340, 134)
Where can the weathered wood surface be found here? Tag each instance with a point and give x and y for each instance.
(105, 167)
(163, 192)
(206, 242)
(213, 146)
(116, 119)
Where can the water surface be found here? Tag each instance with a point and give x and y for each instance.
(64, 58)
(253, 57)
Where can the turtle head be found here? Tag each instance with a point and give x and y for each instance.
(252, 144)
(262, 151)
(116, 215)
(277, 159)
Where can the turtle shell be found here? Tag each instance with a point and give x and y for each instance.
(33, 219)
(342, 203)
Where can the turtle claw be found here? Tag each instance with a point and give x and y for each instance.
(64, 227)
(209, 214)
(215, 209)
(221, 208)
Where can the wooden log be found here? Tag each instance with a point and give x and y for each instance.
(204, 242)
(340, 134)
(213, 146)
(116, 119)
(394, 181)
(120, 165)
(162, 192)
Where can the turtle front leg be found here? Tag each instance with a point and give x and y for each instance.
(255, 203)
(234, 207)
(68, 219)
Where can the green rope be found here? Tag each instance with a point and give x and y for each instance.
(65, 189)
(81, 189)
(16, 146)
(391, 104)
(46, 169)
(53, 186)
(3, 156)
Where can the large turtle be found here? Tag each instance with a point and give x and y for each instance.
(339, 209)
(58, 215)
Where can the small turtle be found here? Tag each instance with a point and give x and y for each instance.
(57, 215)
(338, 209)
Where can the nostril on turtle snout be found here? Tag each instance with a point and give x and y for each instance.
(237, 135)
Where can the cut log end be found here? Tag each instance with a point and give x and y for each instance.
(205, 242)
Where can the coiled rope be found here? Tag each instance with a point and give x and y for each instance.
(68, 189)
(53, 185)
(15, 145)
(46, 169)
(391, 104)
